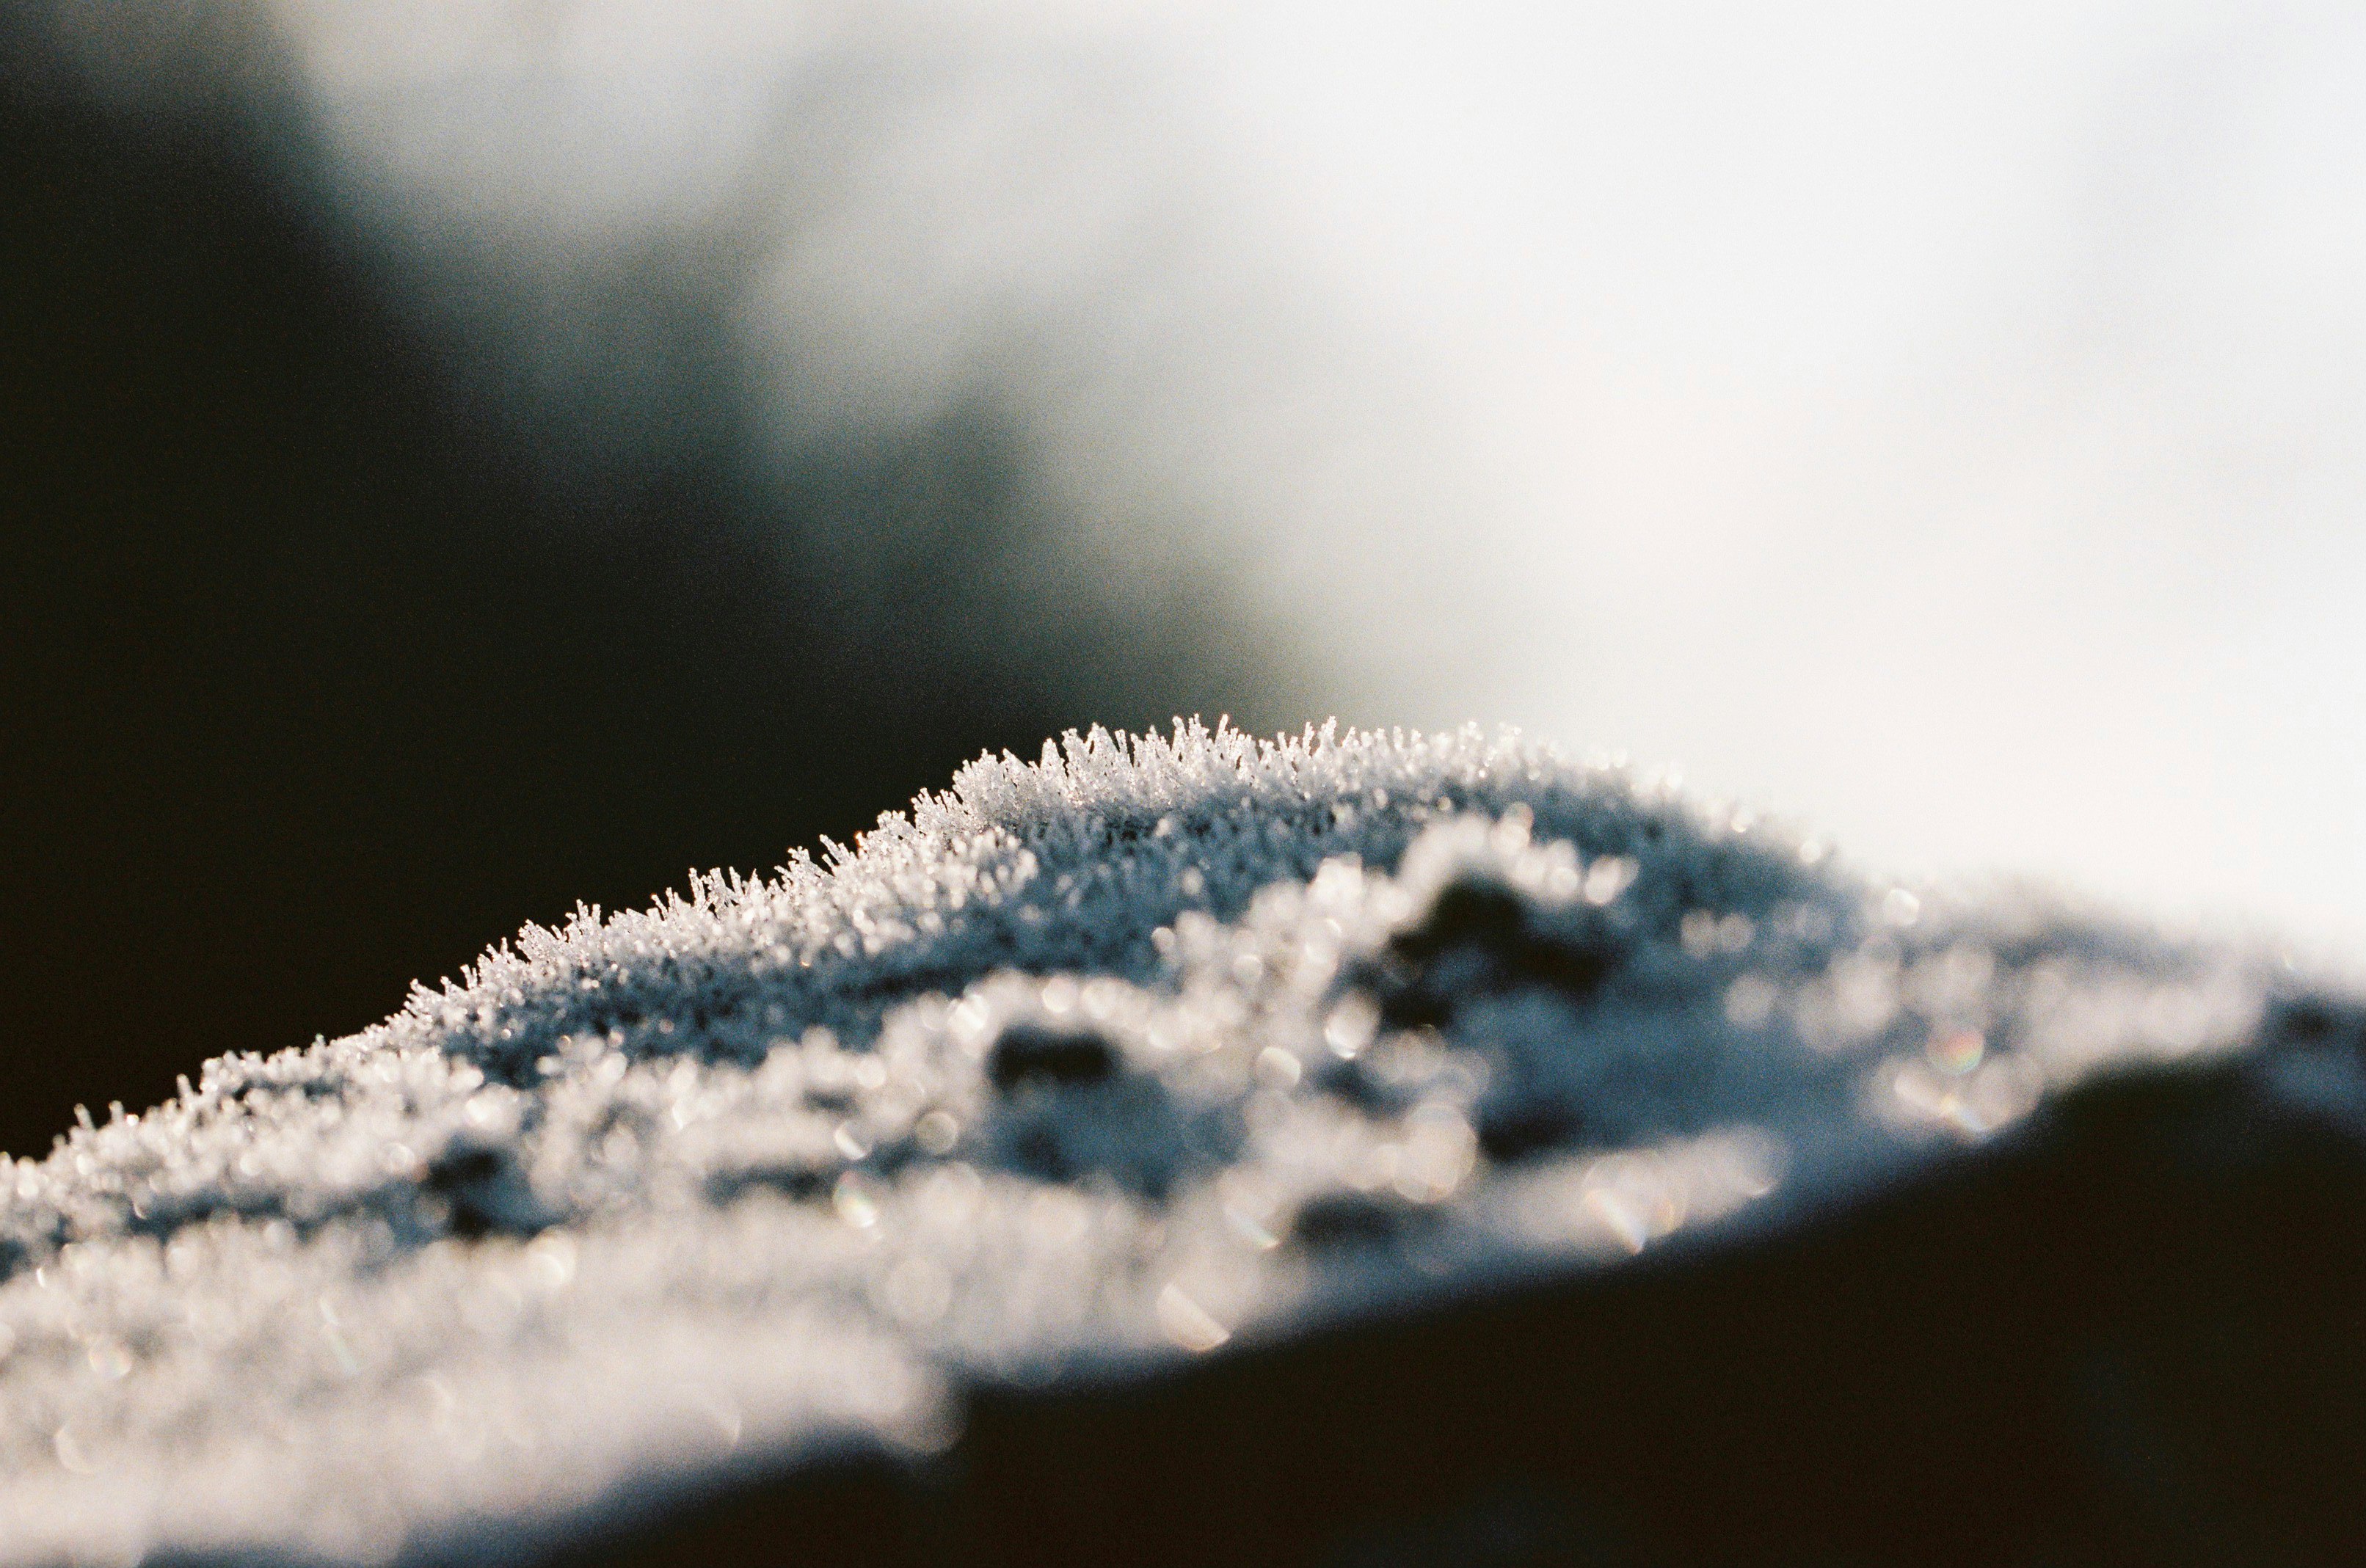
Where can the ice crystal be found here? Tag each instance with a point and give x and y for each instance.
(1158, 1046)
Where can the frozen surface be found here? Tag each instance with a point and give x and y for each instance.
(1083, 1068)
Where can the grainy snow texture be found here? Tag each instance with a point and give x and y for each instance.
(1088, 1068)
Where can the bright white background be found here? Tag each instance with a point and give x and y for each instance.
(1945, 424)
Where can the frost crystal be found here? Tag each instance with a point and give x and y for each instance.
(1158, 1047)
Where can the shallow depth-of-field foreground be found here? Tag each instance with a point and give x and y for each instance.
(1358, 1148)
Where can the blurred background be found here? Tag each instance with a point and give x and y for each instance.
(460, 457)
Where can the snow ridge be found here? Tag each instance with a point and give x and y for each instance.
(1080, 1069)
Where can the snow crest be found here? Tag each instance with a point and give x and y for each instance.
(1082, 1068)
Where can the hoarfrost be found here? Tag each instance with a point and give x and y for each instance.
(1157, 1046)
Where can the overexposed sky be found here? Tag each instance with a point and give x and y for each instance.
(1945, 423)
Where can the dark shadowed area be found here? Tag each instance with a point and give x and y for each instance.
(324, 669)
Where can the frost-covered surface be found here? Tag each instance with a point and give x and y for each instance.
(1085, 1068)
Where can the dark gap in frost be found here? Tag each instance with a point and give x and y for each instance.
(1478, 938)
(1337, 1221)
(1036, 1054)
(1515, 1128)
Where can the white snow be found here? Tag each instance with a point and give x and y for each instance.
(1158, 1046)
